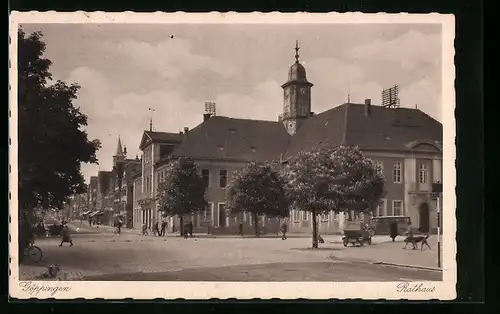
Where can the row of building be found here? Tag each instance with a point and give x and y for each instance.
(405, 143)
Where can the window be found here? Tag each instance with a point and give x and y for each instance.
(207, 214)
(296, 215)
(324, 217)
(205, 173)
(379, 165)
(381, 208)
(423, 174)
(305, 216)
(223, 178)
(396, 173)
(397, 208)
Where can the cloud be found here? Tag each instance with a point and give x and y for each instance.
(425, 97)
(410, 50)
(264, 102)
(170, 59)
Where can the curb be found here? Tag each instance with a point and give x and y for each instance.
(409, 266)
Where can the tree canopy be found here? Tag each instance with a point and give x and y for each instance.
(52, 140)
(338, 179)
(259, 190)
(183, 191)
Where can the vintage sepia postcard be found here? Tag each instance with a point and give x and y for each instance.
(230, 155)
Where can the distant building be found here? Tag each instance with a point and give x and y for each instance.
(92, 190)
(104, 210)
(405, 143)
(154, 146)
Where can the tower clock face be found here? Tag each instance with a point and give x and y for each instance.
(303, 91)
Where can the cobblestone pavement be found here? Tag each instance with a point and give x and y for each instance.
(106, 253)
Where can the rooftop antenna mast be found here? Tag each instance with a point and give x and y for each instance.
(390, 97)
(210, 107)
(151, 110)
(348, 90)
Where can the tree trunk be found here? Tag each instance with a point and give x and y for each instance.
(315, 229)
(181, 227)
(256, 224)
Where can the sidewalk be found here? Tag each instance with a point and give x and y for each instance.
(98, 228)
(390, 253)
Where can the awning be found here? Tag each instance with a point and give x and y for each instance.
(86, 213)
(96, 213)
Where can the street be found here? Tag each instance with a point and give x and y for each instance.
(99, 254)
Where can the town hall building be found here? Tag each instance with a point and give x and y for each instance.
(405, 143)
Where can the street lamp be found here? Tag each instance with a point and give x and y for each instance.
(437, 189)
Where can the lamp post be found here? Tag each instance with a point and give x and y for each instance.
(437, 188)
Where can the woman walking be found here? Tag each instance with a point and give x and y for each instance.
(65, 235)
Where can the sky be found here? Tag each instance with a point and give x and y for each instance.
(124, 70)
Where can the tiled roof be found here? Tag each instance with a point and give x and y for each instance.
(156, 137)
(384, 129)
(164, 136)
(235, 139)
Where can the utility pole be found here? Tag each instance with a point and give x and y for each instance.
(437, 188)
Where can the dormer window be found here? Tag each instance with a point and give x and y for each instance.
(232, 130)
(253, 148)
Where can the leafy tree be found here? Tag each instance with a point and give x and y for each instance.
(52, 142)
(259, 190)
(183, 191)
(363, 186)
(339, 179)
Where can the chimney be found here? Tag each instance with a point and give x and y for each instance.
(186, 129)
(368, 107)
(206, 116)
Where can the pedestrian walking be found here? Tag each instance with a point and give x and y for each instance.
(185, 230)
(284, 229)
(393, 230)
(409, 230)
(65, 235)
(240, 228)
(144, 230)
(163, 228)
(157, 227)
(190, 228)
(120, 224)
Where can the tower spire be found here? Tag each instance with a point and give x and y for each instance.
(297, 51)
(119, 150)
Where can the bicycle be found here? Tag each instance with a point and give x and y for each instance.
(33, 252)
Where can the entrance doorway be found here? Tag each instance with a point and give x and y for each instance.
(222, 215)
(424, 218)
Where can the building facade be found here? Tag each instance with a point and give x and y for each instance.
(154, 146)
(405, 143)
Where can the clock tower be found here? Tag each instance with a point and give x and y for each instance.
(297, 96)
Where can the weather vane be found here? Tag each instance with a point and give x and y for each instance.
(297, 48)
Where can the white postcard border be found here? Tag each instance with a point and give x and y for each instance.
(443, 290)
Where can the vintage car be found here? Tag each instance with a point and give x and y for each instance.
(53, 227)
